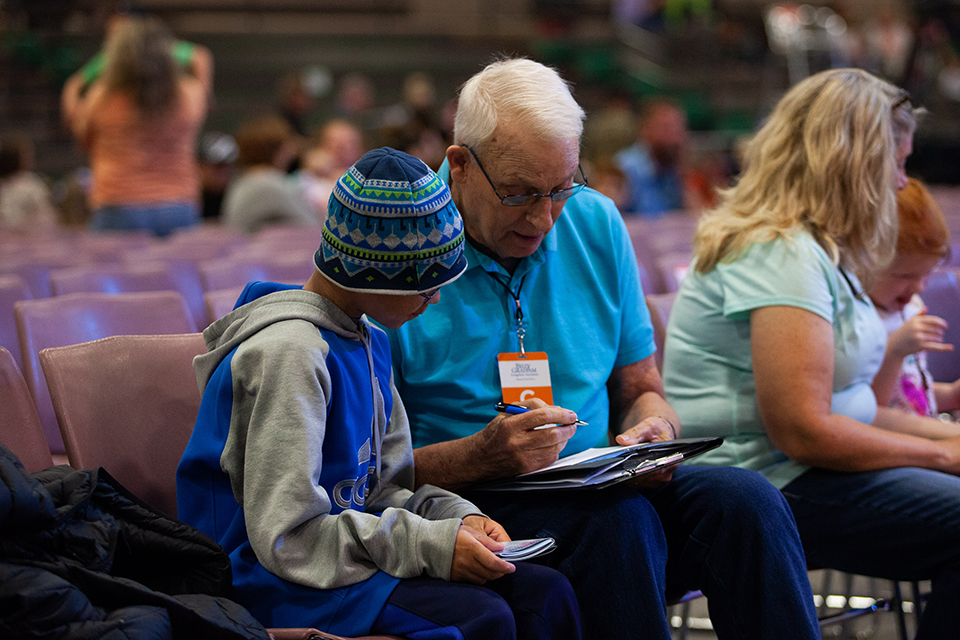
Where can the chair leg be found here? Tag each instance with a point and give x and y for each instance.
(901, 615)
(685, 620)
(917, 601)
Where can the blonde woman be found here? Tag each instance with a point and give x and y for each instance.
(772, 342)
(138, 118)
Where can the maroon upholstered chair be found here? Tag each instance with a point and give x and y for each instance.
(20, 429)
(659, 305)
(35, 269)
(79, 317)
(942, 297)
(672, 268)
(118, 278)
(128, 403)
(227, 273)
(220, 303)
(13, 288)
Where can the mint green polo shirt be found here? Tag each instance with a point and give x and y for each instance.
(708, 370)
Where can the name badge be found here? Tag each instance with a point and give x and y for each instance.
(525, 376)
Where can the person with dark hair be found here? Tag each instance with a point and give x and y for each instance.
(216, 156)
(138, 116)
(654, 164)
(263, 194)
(25, 201)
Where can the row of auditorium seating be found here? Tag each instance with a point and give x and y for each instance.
(193, 261)
(125, 403)
(128, 403)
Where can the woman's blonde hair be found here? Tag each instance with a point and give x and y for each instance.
(824, 161)
(139, 60)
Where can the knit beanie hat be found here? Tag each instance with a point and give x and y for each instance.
(391, 228)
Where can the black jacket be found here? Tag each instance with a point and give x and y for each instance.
(81, 557)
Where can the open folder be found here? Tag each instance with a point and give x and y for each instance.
(602, 467)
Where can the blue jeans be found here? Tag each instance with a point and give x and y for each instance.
(727, 532)
(161, 218)
(533, 603)
(900, 524)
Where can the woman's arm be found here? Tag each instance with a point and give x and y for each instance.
(792, 352)
(74, 106)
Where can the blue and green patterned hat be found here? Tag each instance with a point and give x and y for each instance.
(391, 228)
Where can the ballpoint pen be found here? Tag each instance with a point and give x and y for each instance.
(514, 409)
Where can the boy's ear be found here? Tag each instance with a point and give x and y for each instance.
(458, 157)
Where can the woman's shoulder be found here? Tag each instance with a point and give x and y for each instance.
(793, 245)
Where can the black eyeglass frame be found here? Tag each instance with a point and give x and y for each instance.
(521, 200)
(903, 97)
(428, 295)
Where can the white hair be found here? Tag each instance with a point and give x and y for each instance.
(522, 92)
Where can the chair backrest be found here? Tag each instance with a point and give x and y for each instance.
(183, 259)
(942, 297)
(228, 273)
(128, 404)
(121, 278)
(672, 268)
(20, 428)
(220, 303)
(659, 305)
(79, 317)
(35, 269)
(13, 288)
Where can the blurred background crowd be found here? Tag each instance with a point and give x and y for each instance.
(287, 94)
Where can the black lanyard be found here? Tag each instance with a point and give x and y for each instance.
(858, 294)
(521, 332)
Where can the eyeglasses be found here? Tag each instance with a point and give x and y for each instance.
(903, 97)
(558, 195)
(428, 295)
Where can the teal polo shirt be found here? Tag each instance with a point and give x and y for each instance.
(582, 304)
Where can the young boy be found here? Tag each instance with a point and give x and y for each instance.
(300, 464)
(904, 382)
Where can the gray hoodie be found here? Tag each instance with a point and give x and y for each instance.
(273, 453)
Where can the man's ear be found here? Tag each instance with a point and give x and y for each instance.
(458, 157)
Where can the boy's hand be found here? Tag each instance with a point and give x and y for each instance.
(473, 557)
(920, 333)
(490, 527)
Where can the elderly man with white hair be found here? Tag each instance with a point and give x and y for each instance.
(552, 280)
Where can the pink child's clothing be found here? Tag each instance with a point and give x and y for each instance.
(913, 391)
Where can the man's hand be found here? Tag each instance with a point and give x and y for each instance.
(919, 333)
(652, 429)
(511, 444)
(473, 557)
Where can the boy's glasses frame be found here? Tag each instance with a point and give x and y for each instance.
(428, 295)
